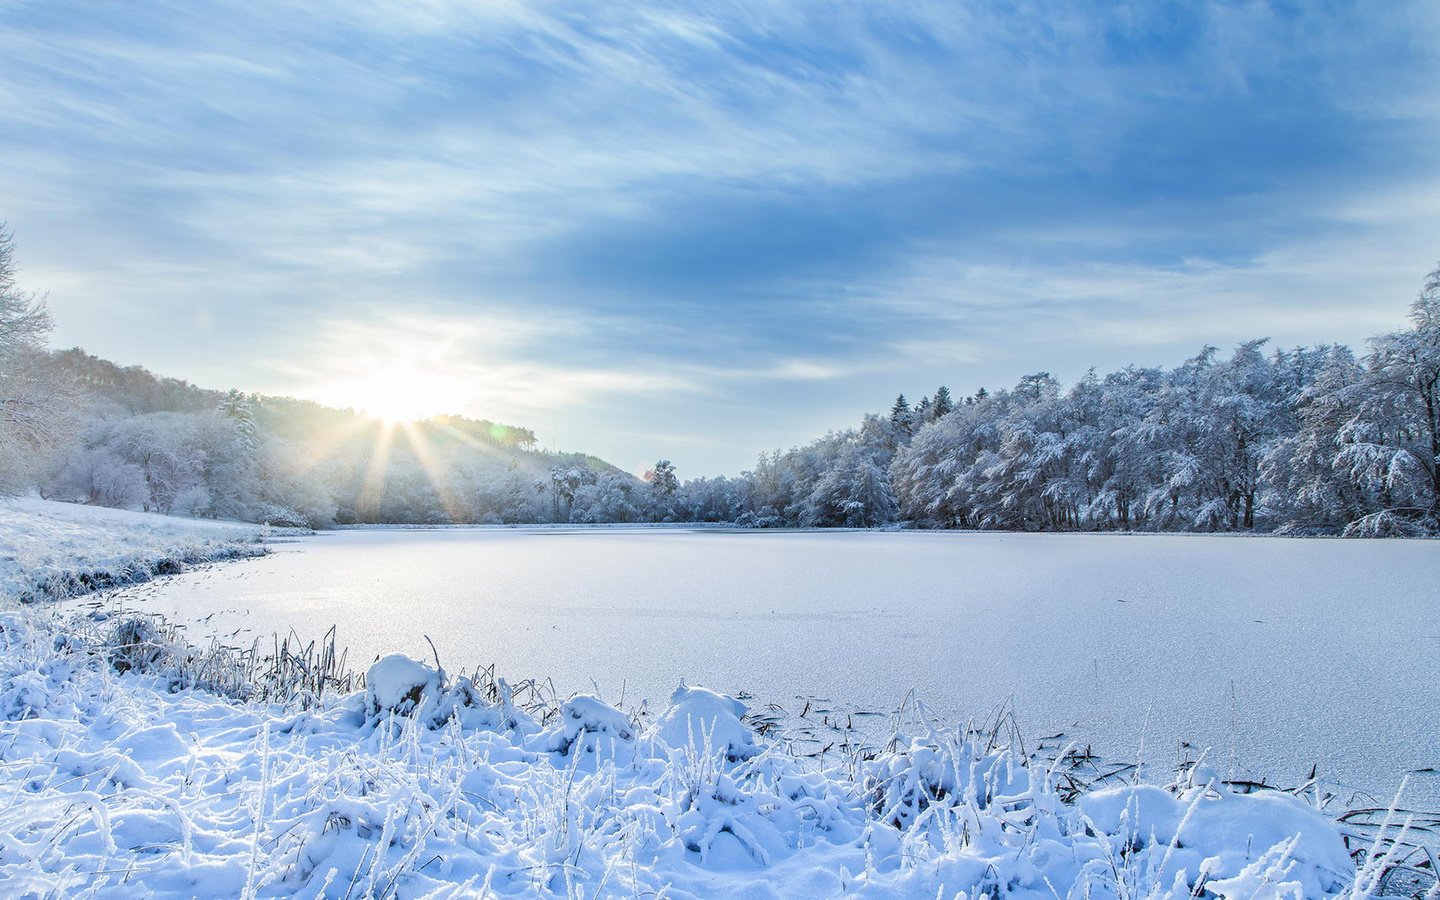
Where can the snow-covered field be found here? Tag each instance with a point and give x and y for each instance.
(61, 548)
(136, 783)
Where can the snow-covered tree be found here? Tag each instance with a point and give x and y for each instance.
(901, 419)
(36, 415)
(854, 492)
(941, 404)
(1307, 489)
(1392, 444)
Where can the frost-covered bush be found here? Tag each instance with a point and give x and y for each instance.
(278, 516)
(698, 717)
(946, 769)
(590, 724)
(136, 643)
(397, 686)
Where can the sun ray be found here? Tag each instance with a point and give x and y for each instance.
(434, 471)
(322, 446)
(372, 489)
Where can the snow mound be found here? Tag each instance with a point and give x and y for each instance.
(399, 685)
(590, 723)
(1238, 841)
(699, 718)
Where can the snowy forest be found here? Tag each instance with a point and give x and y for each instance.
(1301, 441)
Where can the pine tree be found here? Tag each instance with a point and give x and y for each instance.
(942, 404)
(900, 415)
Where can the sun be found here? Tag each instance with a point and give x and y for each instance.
(397, 393)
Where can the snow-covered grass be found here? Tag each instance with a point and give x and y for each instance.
(128, 767)
(53, 550)
(129, 783)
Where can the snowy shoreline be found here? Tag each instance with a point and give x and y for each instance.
(140, 780)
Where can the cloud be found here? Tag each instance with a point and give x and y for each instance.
(685, 213)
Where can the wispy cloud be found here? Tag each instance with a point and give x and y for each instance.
(744, 219)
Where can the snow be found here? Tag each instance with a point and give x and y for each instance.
(590, 724)
(60, 548)
(127, 780)
(1277, 654)
(399, 684)
(699, 717)
(121, 786)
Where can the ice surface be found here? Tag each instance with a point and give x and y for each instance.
(1276, 654)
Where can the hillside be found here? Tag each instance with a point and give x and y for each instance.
(146, 442)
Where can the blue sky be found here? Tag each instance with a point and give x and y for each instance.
(704, 231)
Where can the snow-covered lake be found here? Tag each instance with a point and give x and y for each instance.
(1278, 654)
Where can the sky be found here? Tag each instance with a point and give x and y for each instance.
(704, 231)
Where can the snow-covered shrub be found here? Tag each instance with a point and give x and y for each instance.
(136, 644)
(279, 516)
(698, 717)
(591, 724)
(399, 685)
(944, 769)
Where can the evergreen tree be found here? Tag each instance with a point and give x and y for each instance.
(922, 410)
(900, 416)
(942, 404)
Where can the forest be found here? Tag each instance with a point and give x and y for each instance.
(1295, 441)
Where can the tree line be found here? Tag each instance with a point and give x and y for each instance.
(1302, 441)
(1299, 441)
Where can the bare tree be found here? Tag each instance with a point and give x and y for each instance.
(35, 410)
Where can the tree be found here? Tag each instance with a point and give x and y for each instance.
(942, 404)
(663, 488)
(35, 412)
(1307, 489)
(1393, 443)
(901, 417)
(24, 320)
(564, 482)
(921, 411)
(854, 493)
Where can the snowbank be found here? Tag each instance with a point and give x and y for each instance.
(50, 549)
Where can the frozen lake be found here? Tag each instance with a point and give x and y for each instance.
(1278, 654)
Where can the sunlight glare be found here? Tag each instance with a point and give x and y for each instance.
(399, 393)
